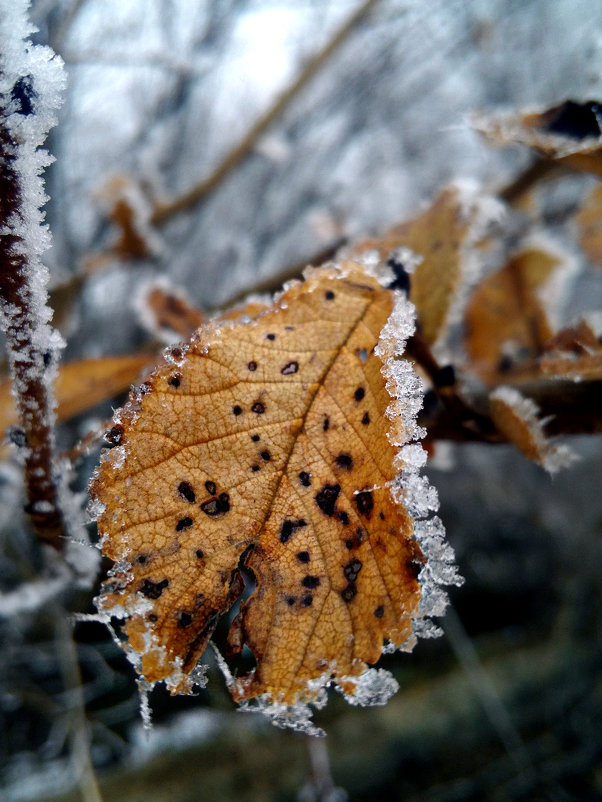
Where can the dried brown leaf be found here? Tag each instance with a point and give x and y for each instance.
(505, 317)
(268, 441)
(569, 133)
(444, 236)
(516, 418)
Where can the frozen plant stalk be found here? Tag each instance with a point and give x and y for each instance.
(31, 81)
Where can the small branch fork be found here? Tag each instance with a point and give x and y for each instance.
(29, 361)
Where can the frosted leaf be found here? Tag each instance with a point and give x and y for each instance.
(322, 609)
(516, 417)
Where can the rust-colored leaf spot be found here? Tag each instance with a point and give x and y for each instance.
(191, 485)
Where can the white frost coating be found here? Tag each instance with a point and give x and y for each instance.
(29, 76)
(31, 83)
(409, 488)
(285, 717)
(373, 688)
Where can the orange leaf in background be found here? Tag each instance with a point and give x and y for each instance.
(589, 223)
(516, 417)
(505, 315)
(269, 441)
(165, 309)
(82, 384)
(570, 133)
(574, 353)
(442, 235)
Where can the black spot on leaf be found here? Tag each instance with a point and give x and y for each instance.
(184, 619)
(266, 456)
(186, 491)
(306, 601)
(184, 523)
(326, 423)
(270, 336)
(174, 380)
(305, 478)
(237, 410)
(152, 590)
(258, 408)
(345, 461)
(310, 582)
(366, 418)
(352, 569)
(349, 593)
(326, 498)
(255, 468)
(379, 612)
(329, 295)
(364, 503)
(359, 394)
(343, 518)
(289, 369)
(152, 617)
(290, 600)
(288, 528)
(210, 487)
(303, 556)
(252, 365)
(216, 506)
(255, 438)
(200, 553)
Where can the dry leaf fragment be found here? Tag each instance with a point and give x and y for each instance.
(276, 441)
(574, 353)
(570, 133)
(516, 417)
(507, 317)
(445, 236)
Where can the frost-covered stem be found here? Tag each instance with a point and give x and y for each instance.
(33, 399)
(31, 80)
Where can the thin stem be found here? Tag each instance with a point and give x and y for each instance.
(163, 211)
(79, 729)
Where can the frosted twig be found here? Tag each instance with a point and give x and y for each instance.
(163, 211)
(31, 80)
